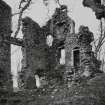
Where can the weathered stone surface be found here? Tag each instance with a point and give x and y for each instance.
(80, 59)
(38, 58)
(37, 55)
(5, 62)
(42, 59)
(34, 50)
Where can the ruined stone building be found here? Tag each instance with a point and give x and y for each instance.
(55, 57)
(42, 57)
(55, 54)
(45, 47)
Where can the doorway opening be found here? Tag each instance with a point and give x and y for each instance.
(76, 57)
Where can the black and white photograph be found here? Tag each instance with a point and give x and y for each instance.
(52, 52)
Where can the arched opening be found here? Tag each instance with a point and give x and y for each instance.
(76, 57)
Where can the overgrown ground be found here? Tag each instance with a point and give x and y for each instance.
(88, 92)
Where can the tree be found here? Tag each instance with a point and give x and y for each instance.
(99, 9)
(100, 41)
(99, 44)
(96, 6)
(22, 9)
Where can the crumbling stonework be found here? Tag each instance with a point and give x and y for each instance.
(42, 59)
(37, 55)
(34, 50)
(80, 59)
(5, 32)
(59, 27)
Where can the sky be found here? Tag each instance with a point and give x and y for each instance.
(40, 13)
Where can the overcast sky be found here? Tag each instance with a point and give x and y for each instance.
(38, 12)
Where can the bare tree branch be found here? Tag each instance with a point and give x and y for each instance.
(95, 43)
(21, 2)
(22, 9)
(15, 14)
(101, 40)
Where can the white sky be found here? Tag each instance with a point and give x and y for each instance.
(38, 12)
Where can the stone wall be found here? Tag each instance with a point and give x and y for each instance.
(79, 45)
(34, 50)
(39, 58)
(37, 55)
(5, 29)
